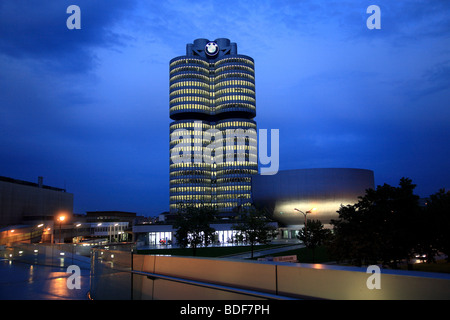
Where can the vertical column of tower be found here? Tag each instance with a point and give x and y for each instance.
(234, 110)
(234, 174)
(190, 175)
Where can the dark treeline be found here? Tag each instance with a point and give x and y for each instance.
(388, 225)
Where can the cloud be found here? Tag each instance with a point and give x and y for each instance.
(38, 31)
(437, 78)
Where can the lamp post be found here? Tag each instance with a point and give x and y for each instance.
(115, 237)
(75, 238)
(305, 213)
(61, 218)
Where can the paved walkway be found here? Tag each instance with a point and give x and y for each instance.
(23, 281)
(264, 252)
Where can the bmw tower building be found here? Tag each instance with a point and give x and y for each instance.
(213, 134)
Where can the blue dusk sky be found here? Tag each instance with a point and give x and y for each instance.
(88, 109)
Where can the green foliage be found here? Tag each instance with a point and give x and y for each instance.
(436, 224)
(255, 227)
(193, 226)
(314, 235)
(388, 225)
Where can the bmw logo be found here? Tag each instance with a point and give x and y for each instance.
(211, 48)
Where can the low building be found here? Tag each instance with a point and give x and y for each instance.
(112, 226)
(24, 202)
(291, 194)
(99, 216)
(28, 210)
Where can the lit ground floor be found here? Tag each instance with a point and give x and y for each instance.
(160, 235)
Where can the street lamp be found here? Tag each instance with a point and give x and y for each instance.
(305, 213)
(77, 228)
(115, 236)
(61, 218)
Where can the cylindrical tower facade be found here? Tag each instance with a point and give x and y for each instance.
(190, 176)
(234, 87)
(233, 176)
(213, 148)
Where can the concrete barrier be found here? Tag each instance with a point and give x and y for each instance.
(315, 281)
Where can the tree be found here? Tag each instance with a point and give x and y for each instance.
(193, 226)
(382, 226)
(255, 227)
(436, 225)
(314, 235)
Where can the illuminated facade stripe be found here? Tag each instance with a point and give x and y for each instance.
(211, 93)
